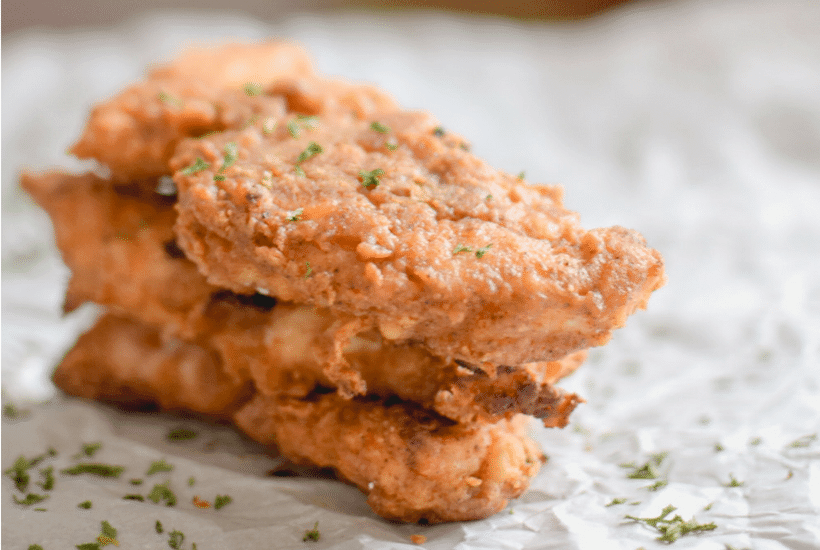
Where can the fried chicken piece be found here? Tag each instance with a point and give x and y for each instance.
(124, 256)
(209, 90)
(121, 361)
(413, 465)
(409, 232)
(112, 237)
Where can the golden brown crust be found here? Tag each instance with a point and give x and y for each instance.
(209, 90)
(125, 362)
(412, 464)
(393, 254)
(123, 256)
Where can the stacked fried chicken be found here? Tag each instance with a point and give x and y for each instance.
(340, 277)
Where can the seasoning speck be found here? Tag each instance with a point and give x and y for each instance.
(313, 534)
(181, 434)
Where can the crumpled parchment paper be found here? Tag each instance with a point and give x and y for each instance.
(695, 122)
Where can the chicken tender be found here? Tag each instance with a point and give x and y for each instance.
(121, 361)
(210, 90)
(124, 256)
(389, 219)
(411, 463)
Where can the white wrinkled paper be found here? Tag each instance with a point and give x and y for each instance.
(697, 123)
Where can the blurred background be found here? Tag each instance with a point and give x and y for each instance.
(23, 14)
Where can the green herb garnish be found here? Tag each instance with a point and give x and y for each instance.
(88, 449)
(461, 248)
(521, 175)
(311, 151)
(85, 505)
(296, 215)
(438, 131)
(88, 546)
(648, 470)
(191, 481)
(197, 166)
(253, 88)
(804, 441)
(371, 179)
(135, 481)
(19, 473)
(48, 478)
(616, 501)
(379, 127)
(672, 529)
(30, 498)
(309, 272)
(35, 547)
(733, 482)
(222, 500)
(108, 535)
(392, 145)
(11, 412)
(159, 466)
(657, 485)
(308, 121)
(162, 492)
(95, 469)
(175, 539)
(134, 497)
(483, 250)
(181, 434)
(229, 155)
(293, 128)
(719, 448)
(299, 171)
(313, 534)
(158, 526)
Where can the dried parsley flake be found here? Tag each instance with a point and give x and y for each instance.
(296, 215)
(222, 500)
(181, 434)
(197, 166)
(159, 466)
(379, 127)
(253, 89)
(312, 534)
(94, 468)
(371, 178)
(162, 492)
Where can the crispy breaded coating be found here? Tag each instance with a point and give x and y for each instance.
(410, 232)
(124, 256)
(121, 361)
(210, 90)
(111, 237)
(412, 465)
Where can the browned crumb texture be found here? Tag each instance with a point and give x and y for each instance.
(124, 256)
(125, 362)
(409, 255)
(338, 275)
(209, 90)
(413, 465)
